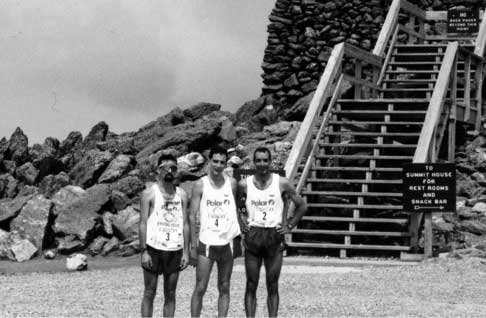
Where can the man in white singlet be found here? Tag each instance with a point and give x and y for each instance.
(264, 224)
(164, 236)
(213, 199)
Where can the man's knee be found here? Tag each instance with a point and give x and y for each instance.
(149, 293)
(251, 285)
(272, 287)
(200, 289)
(170, 295)
(224, 288)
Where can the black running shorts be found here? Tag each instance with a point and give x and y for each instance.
(164, 262)
(264, 241)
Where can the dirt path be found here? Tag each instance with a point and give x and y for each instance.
(440, 288)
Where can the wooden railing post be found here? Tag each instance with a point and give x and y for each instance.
(388, 28)
(467, 86)
(481, 38)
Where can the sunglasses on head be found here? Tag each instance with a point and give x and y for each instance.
(168, 167)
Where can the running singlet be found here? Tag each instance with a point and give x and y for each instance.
(219, 224)
(264, 207)
(165, 223)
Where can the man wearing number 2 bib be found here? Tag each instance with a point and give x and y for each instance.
(264, 225)
(164, 236)
(213, 199)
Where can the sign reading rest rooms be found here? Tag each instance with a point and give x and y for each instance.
(429, 187)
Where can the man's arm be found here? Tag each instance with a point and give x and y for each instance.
(194, 218)
(186, 230)
(241, 205)
(299, 203)
(145, 205)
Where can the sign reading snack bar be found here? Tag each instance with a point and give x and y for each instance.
(429, 187)
(462, 20)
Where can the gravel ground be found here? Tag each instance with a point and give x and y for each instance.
(438, 288)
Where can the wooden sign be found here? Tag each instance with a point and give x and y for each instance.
(463, 20)
(429, 187)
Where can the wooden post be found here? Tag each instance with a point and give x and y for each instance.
(428, 235)
(467, 86)
(357, 75)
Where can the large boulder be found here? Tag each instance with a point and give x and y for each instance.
(472, 226)
(130, 185)
(4, 241)
(20, 248)
(200, 110)
(119, 200)
(89, 168)
(18, 147)
(124, 144)
(72, 143)
(96, 246)
(80, 216)
(53, 183)
(27, 173)
(185, 137)
(10, 208)
(48, 165)
(66, 197)
(69, 244)
(33, 220)
(97, 133)
(125, 223)
(112, 245)
(248, 110)
(116, 168)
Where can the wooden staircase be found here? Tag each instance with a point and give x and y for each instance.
(348, 157)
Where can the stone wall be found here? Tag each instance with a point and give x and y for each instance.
(302, 33)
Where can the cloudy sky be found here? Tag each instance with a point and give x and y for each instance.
(67, 65)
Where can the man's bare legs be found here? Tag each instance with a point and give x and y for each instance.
(203, 271)
(225, 268)
(150, 289)
(273, 266)
(170, 285)
(252, 268)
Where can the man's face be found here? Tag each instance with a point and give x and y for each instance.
(217, 163)
(168, 171)
(262, 162)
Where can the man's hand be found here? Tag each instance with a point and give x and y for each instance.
(284, 230)
(193, 256)
(184, 260)
(146, 260)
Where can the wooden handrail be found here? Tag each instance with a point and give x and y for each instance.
(362, 55)
(413, 9)
(481, 38)
(322, 92)
(388, 28)
(435, 105)
(327, 115)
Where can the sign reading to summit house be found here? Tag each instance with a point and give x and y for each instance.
(463, 20)
(429, 187)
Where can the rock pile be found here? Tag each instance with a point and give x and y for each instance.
(82, 194)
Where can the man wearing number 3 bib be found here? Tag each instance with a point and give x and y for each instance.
(164, 236)
(213, 199)
(264, 225)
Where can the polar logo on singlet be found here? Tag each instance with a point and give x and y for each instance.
(262, 203)
(217, 203)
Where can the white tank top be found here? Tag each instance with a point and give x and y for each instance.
(165, 223)
(264, 207)
(219, 224)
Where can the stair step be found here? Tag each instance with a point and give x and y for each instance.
(412, 71)
(351, 246)
(406, 89)
(356, 122)
(354, 220)
(435, 45)
(368, 145)
(365, 169)
(415, 63)
(418, 54)
(385, 101)
(351, 233)
(375, 134)
(314, 180)
(354, 194)
(381, 112)
(421, 81)
(355, 206)
(370, 157)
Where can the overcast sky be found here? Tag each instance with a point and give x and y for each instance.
(66, 65)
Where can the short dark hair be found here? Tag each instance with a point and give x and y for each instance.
(262, 150)
(166, 157)
(218, 150)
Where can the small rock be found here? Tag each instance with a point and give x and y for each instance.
(50, 254)
(110, 246)
(77, 262)
(479, 207)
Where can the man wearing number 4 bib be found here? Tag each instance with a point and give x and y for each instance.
(213, 200)
(264, 196)
(164, 236)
